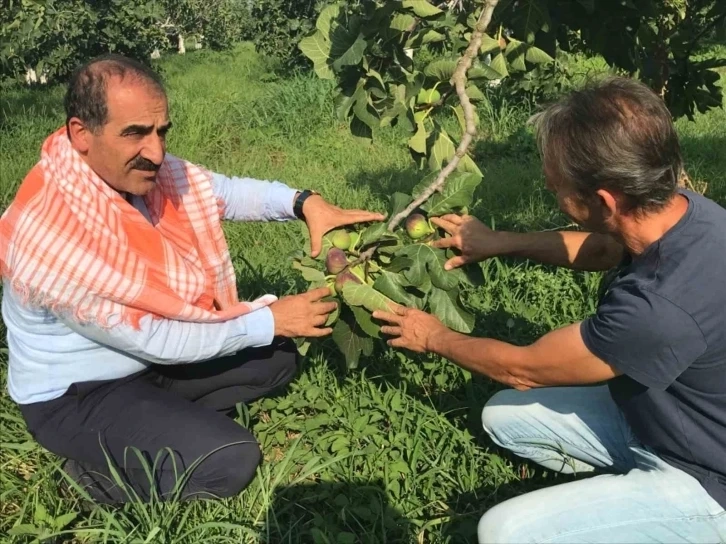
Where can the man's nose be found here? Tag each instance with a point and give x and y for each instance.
(154, 149)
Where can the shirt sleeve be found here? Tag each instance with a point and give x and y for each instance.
(167, 341)
(248, 199)
(643, 335)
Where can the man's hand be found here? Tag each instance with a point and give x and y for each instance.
(321, 217)
(473, 238)
(412, 328)
(302, 315)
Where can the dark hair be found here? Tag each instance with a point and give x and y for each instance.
(86, 94)
(615, 134)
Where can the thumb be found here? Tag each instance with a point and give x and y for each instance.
(316, 243)
(455, 262)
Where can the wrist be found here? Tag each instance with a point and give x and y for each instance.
(300, 202)
(437, 341)
(509, 244)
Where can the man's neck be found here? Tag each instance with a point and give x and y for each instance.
(638, 233)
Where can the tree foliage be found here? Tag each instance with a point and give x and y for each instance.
(653, 40)
(52, 37)
(218, 23)
(279, 25)
(373, 54)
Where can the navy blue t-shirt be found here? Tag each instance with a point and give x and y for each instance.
(662, 323)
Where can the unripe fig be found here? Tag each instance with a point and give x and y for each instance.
(344, 278)
(417, 226)
(354, 237)
(419, 116)
(336, 260)
(341, 239)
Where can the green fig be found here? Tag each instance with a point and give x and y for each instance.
(417, 227)
(341, 239)
(336, 260)
(354, 237)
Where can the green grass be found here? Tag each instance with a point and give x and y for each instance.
(391, 452)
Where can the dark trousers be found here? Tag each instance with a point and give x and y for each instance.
(176, 416)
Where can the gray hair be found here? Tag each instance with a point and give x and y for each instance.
(614, 134)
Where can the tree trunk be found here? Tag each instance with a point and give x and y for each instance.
(30, 76)
(180, 42)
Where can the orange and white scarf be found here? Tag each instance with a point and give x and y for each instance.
(72, 244)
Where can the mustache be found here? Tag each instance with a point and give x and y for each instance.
(145, 165)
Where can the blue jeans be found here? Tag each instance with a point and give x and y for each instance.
(638, 497)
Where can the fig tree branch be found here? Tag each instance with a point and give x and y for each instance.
(458, 80)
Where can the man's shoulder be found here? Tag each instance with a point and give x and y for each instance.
(31, 185)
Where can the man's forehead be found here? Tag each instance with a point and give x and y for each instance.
(132, 97)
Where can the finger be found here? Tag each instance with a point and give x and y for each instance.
(386, 316)
(360, 216)
(324, 307)
(316, 244)
(392, 331)
(454, 218)
(443, 243)
(448, 226)
(398, 342)
(455, 262)
(316, 333)
(318, 293)
(319, 320)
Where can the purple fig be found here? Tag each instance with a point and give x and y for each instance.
(344, 278)
(336, 260)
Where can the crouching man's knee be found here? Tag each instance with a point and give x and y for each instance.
(499, 525)
(500, 414)
(228, 471)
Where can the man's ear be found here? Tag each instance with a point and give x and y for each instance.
(79, 134)
(608, 202)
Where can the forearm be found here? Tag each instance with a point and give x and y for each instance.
(556, 359)
(166, 341)
(576, 250)
(497, 360)
(247, 199)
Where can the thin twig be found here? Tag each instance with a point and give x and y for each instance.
(458, 79)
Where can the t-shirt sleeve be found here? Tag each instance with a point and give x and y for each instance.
(644, 336)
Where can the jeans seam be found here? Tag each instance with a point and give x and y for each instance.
(707, 517)
(511, 444)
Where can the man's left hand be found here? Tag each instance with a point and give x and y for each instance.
(322, 217)
(411, 328)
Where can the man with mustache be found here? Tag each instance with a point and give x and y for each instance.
(127, 343)
(636, 392)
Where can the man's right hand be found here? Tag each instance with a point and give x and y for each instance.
(302, 315)
(473, 238)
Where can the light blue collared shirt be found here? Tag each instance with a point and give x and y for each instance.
(47, 353)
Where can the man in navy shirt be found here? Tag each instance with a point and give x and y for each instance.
(636, 392)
